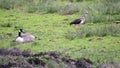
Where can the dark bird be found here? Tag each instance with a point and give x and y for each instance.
(80, 20)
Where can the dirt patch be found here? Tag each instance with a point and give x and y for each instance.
(49, 59)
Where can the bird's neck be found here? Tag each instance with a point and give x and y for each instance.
(85, 16)
(19, 34)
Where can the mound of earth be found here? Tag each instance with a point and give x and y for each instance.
(15, 58)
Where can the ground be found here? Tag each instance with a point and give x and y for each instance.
(50, 31)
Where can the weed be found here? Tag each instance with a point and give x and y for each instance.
(6, 24)
(69, 8)
(111, 7)
(105, 30)
(50, 29)
(7, 4)
(17, 26)
(70, 35)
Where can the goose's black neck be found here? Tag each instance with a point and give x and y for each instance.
(19, 34)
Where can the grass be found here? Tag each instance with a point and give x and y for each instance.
(50, 24)
(104, 11)
(50, 30)
(88, 31)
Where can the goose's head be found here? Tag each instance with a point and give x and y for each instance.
(85, 14)
(21, 30)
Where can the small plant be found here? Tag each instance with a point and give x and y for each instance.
(6, 24)
(69, 8)
(31, 8)
(52, 8)
(96, 31)
(79, 0)
(70, 35)
(11, 4)
(6, 4)
(110, 7)
(17, 26)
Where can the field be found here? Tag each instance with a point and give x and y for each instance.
(53, 33)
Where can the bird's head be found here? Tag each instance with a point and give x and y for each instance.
(21, 30)
(86, 12)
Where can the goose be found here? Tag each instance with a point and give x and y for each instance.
(80, 20)
(23, 33)
(24, 37)
(19, 38)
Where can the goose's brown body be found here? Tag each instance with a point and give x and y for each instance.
(24, 37)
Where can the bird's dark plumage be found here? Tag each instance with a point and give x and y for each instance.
(80, 20)
(76, 21)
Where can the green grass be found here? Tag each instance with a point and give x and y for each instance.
(53, 31)
(88, 31)
(50, 30)
(99, 11)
